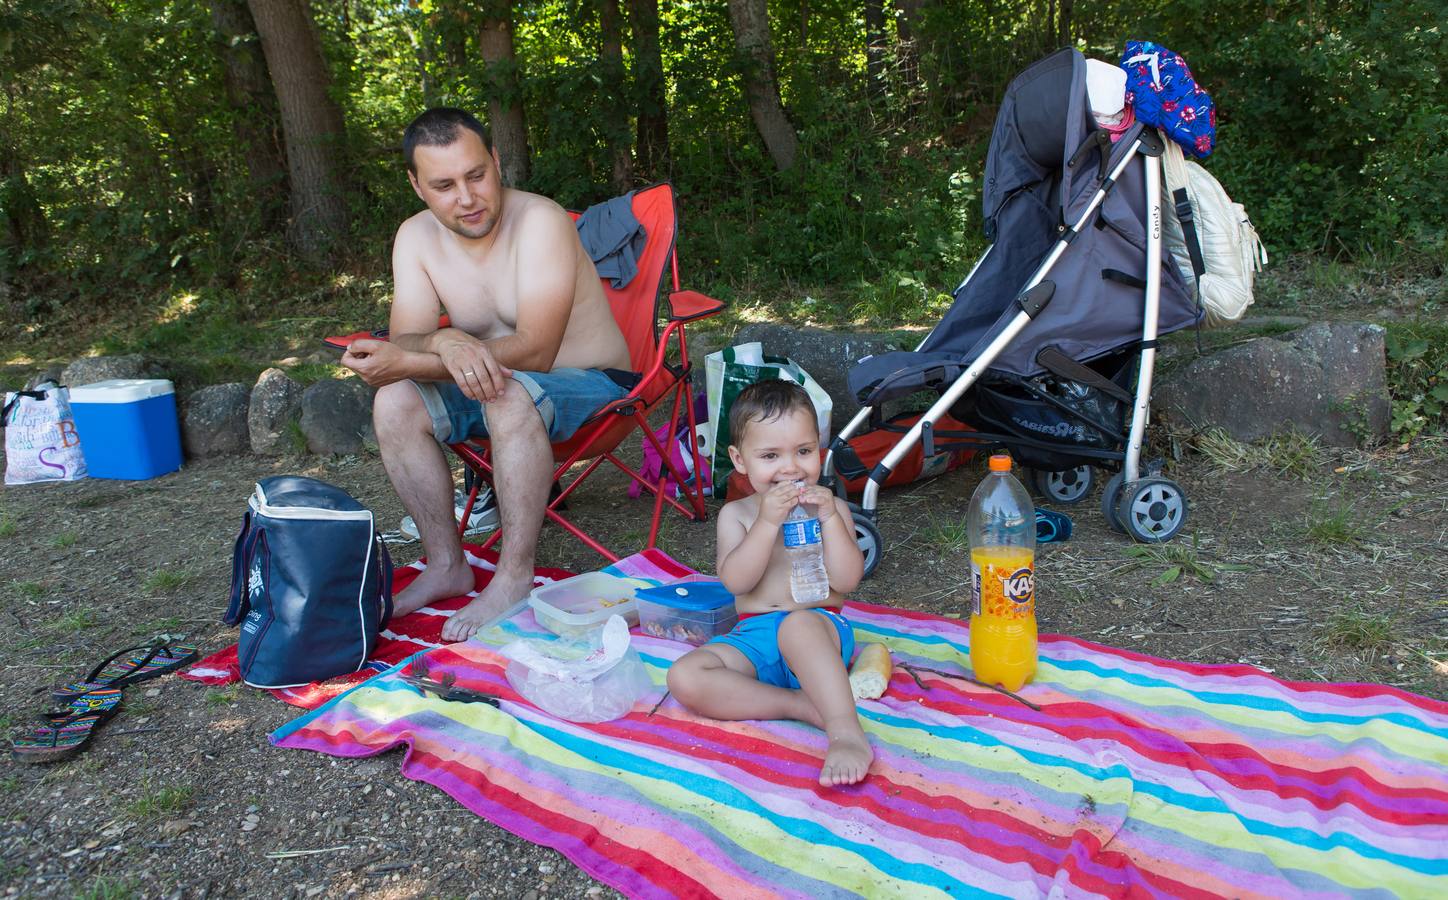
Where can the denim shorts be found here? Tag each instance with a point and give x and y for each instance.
(565, 398)
(757, 637)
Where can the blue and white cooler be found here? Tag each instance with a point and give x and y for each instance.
(128, 427)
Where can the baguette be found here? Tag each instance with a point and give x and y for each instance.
(870, 674)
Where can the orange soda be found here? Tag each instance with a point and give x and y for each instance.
(1002, 530)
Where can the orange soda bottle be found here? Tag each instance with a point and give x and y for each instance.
(1002, 530)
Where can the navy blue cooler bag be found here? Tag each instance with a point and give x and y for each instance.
(311, 583)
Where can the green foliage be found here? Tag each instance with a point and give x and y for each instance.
(1178, 559)
(166, 580)
(1355, 628)
(1334, 523)
(1418, 377)
(123, 185)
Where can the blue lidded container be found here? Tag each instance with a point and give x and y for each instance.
(689, 611)
(128, 427)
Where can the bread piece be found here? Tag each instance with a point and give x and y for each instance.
(870, 674)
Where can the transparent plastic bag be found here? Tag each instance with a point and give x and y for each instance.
(580, 682)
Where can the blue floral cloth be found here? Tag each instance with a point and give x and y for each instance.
(1161, 90)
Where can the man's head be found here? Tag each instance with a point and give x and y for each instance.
(774, 434)
(454, 170)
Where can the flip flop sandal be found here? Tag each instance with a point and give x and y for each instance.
(67, 733)
(129, 666)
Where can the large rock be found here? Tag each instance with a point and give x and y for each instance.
(337, 416)
(1326, 379)
(103, 368)
(276, 402)
(828, 356)
(214, 423)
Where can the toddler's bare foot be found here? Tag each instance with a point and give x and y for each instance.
(500, 595)
(436, 582)
(847, 760)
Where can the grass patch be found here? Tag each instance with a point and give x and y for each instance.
(104, 887)
(64, 539)
(158, 626)
(226, 697)
(1290, 453)
(1333, 524)
(296, 438)
(308, 373)
(166, 580)
(27, 590)
(1357, 629)
(8, 527)
(160, 802)
(1176, 561)
(75, 620)
(947, 537)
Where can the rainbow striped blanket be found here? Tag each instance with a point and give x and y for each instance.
(1137, 776)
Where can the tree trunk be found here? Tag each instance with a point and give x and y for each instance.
(505, 96)
(311, 122)
(875, 47)
(615, 94)
(652, 146)
(257, 123)
(750, 19)
(1064, 34)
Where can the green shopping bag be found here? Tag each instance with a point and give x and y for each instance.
(731, 370)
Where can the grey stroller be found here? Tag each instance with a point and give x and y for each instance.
(1058, 318)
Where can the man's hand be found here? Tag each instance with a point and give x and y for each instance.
(378, 362)
(822, 499)
(472, 365)
(776, 502)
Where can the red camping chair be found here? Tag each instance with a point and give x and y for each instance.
(640, 309)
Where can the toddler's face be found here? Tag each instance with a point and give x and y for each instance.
(786, 448)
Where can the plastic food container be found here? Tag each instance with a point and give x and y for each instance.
(689, 611)
(576, 608)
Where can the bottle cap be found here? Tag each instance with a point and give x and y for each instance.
(1000, 462)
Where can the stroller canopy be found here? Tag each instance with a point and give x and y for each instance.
(1033, 189)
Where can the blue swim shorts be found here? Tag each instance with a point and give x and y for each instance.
(565, 398)
(757, 637)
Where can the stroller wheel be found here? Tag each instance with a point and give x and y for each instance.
(871, 544)
(1110, 496)
(1066, 486)
(1152, 510)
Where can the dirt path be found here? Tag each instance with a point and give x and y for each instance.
(1343, 578)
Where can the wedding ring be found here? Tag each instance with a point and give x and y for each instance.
(469, 372)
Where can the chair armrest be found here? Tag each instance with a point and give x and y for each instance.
(343, 341)
(688, 306)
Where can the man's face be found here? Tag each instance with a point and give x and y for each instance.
(460, 183)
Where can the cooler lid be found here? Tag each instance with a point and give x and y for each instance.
(689, 595)
(121, 390)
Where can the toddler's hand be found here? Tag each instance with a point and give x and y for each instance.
(775, 504)
(822, 499)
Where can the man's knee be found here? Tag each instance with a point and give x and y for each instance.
(398, 406)
(513, 412)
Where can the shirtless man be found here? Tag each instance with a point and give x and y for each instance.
(532, 350)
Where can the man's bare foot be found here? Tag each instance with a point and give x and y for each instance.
(436, 582)
(847, 760)
(497, 598)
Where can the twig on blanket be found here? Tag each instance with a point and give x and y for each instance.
(911, 668)
(657, 705)
(288, 854)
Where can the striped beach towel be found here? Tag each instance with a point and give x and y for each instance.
(1137, 776)
(400, 638)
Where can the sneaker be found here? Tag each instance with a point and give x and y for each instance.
(483, 519)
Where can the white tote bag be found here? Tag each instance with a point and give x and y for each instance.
(41, 443)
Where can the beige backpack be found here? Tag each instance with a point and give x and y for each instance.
(1213, 242)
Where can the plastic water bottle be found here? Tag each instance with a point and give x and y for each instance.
(1002, 531)
(808, 580)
